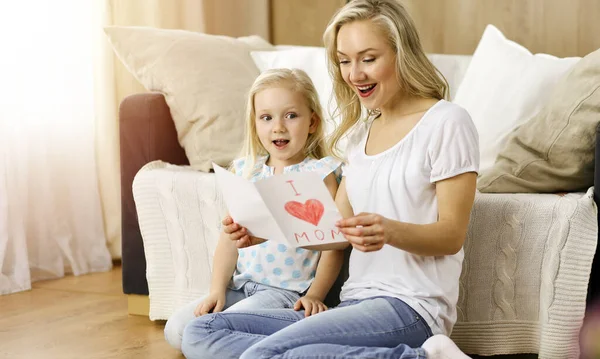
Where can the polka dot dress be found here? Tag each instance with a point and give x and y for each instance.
(273, 263)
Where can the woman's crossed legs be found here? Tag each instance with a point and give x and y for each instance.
(381, 327)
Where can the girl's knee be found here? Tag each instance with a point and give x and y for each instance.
(174, 332)
(193, 341)
(177, 322)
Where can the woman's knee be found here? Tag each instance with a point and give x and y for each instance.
(260, 351)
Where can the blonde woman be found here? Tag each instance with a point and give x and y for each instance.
(406, 196)
(284, 134)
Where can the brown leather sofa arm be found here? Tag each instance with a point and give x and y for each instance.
(146, 133)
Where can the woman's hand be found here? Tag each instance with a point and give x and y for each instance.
(366, 232)
(311, 305)
(239, 234)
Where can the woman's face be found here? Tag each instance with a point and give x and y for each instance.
(368, 64)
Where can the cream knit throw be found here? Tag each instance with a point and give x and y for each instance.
(524, 281)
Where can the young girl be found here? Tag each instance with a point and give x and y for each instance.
(284, 134)
(406, 196)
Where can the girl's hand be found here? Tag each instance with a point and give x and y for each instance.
(311, 305)
(239, 234)
(366, 232)
(213, 303)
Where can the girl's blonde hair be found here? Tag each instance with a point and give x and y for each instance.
(416, 74)
(296, 80)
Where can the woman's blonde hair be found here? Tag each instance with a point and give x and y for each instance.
(298, 81)
(416, 74)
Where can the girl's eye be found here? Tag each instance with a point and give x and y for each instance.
(291, 115)
(265, 118)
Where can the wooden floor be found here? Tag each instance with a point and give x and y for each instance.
(83, 317)
(78, 317)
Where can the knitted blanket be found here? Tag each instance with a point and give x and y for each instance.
(524, 281)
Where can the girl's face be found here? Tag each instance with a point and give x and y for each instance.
(283, 123)
(368, 64)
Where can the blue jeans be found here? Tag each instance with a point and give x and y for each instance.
(249, 297)
(380, 327)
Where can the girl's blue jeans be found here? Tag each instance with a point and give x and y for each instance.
(250, 296)
(380, 327)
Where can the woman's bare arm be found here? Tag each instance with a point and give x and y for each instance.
(455, 197)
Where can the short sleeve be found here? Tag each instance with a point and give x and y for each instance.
(237, 167)
(343, 169)
(454, 146)
(325, 166)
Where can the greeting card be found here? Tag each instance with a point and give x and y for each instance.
(294, 208)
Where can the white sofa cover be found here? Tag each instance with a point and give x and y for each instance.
(523, 285)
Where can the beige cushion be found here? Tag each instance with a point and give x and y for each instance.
(204, 79)
(554, 150)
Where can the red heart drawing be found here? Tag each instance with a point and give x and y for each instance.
(311, 211)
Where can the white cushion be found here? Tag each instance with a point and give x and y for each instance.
(453, 67)
(504, 86)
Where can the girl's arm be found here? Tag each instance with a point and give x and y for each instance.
(343, 205)
(331, 261)
(328, 269)
(455, 197)
(331, 184)
(224, 263)
(342, 202)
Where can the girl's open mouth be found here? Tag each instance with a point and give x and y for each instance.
(281, 144)
(366, 91)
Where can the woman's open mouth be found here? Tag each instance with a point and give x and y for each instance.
(281, 144)
(366, 91)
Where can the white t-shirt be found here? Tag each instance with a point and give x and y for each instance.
(399, 184)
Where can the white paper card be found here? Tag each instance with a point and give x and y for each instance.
(294, 208)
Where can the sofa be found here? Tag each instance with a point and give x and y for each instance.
(530, 267)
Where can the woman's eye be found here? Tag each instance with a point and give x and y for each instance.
(369, 60)
(291, 115)
(344, 62)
